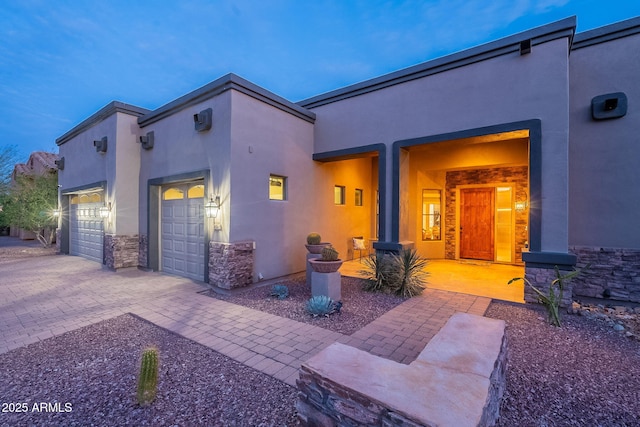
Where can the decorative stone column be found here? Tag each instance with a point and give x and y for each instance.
(143, 251)
(121, 251)
(231, 264)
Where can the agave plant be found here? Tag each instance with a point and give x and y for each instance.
(320, 305)
(280, 291)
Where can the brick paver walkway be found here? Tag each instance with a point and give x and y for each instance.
(47, 296)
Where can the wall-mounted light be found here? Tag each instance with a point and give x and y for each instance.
(212, 207)
(147, 140)
(101, 145)
(60, 163)
(609, 106)
(105, 211)
(521, 206)
(525, 47)
(203, 120)
(55, 212)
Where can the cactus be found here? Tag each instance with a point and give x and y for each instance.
(280, 291)
(329, 253)
(148, 378)
(313, 239)
(320, 305)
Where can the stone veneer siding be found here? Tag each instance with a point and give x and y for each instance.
(120, 251)
(518, 176)
(143, 251)
(231, 264)
(615, 269)
(541, 278)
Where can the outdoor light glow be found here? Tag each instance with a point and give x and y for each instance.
(212, 207)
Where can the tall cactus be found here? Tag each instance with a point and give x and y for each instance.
(148, 378)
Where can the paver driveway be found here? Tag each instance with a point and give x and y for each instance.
(46, 296)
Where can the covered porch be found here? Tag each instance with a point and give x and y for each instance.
(471, 277)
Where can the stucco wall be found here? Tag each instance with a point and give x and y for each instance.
(504, 89)
(123, 187)
(180, 149)
(603, 167)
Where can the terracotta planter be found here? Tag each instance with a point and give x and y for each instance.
(317, 249)
(320, 266)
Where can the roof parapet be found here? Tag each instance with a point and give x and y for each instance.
(553, 31)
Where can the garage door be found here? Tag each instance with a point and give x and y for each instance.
(86, 228)
(182, 225)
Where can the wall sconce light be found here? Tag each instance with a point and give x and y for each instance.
(212, 207)
(105, 211)
(525, 47)
(56, 212)
(521, 206)
(101, 145)
(147, 140)
(203, 120)
(609, 106)
(60, 163)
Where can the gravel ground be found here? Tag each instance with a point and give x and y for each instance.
(583, 374)
(11, 253)
(359, 307)
(92, 372)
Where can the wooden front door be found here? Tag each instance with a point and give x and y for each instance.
(477, 223)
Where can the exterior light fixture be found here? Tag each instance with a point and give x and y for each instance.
(56, 212)
(212, 207)
(105, 211)
(521, 206)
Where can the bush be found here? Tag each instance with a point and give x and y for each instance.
(402, 274)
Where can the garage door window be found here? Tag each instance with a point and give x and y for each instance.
(196, 192)
(173, 194)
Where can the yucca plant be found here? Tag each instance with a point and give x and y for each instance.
(148, 377)
(407, 274)
(375, 273)
(552, 301)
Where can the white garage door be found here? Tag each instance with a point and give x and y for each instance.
(182, 225)
(86, 228)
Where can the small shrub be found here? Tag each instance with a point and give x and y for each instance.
(313, 239)
(329, 254)
(376, 273)
(322, 305)
(408, 275)
(552, 300)
(148, 377)
(280, 291)
(402, 274)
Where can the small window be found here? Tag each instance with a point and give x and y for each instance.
(358, 197)
(173, 194)
(431, 220)
(277, 187)
(338, 195)
(95, 198)
(196, 192)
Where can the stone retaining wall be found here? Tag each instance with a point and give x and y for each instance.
(121, 251)
(614, 272)
(231, 264)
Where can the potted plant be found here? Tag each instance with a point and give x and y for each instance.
(329, 263)
(314, 243)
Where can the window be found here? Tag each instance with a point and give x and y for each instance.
(173, 194)
(431, 202)
(358, 197)
(277, 187)
(196, 191)
(338, 195)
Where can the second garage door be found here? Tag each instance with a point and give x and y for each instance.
(182, 230)
(86, 227)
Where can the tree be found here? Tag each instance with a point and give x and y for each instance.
(30, 203)
(8, 160)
